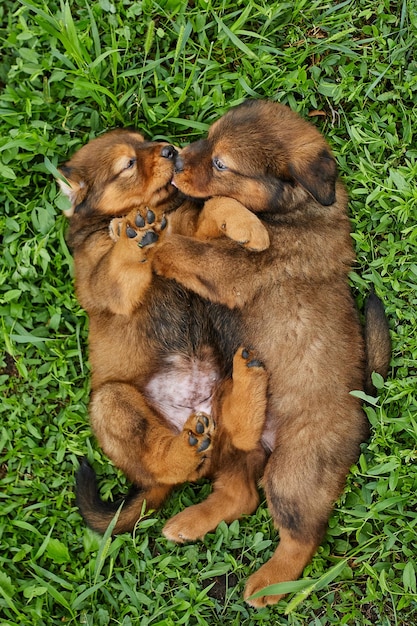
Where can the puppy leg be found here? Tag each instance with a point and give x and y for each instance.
(225, 216)
(141, 443)
(238, 459)
(125, 271)
(234, 494)
(217, 271)
(244, 400)
(304, 476)
(287, 563)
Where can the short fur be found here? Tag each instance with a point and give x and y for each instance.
(296, 309)
(164, 406)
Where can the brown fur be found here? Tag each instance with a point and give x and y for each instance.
(296, 308)
(173, 396)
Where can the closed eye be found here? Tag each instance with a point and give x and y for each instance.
(219, 165)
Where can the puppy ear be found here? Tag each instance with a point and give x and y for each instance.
(318, 177)
(71, 187)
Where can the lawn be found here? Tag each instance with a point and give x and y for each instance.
(73, 69)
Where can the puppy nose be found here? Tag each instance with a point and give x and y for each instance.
(168, 152)
(179, 163)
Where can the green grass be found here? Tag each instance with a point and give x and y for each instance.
(72, 70)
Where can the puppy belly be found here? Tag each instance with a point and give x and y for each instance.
(184, 385)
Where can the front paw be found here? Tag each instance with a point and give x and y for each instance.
(141, 227)
(230, 217)
(251, 235)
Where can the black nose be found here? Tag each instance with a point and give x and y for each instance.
(179, 163)
(168, 152)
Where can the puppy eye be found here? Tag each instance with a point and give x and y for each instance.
(219, 165)
(131, 163)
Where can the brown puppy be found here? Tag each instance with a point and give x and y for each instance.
(163, 405)
(296, 308)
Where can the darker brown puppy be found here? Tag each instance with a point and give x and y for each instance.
(296, 308)
(163, 403)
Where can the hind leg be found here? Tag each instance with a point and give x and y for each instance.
(238, 458)
(138, 441)
(150, 454)
(244, 400)
(287, 563)
(303, 478)
(234, 494)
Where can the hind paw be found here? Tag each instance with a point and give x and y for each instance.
(200, 428)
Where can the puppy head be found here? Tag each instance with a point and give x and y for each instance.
(115, 172)
(262, 154)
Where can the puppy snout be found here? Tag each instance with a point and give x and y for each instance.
(168, 152)
(179, 164)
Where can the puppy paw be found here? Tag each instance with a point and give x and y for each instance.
(230, 217)
(189, 525)
(141, 227)
(251, 235)
(200, 429)
(196, 439)
(258, 581)
(249, 360)
(244, 404)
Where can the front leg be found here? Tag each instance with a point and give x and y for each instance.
(126, 272)
(219, 271)
(226, 216)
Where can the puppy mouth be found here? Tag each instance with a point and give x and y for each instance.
(169, 188)
(169, 193)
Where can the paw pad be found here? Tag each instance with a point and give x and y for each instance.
(200, 436)
(150, 216)
(149, 237)
(140, 226)
(251, 360)
(139, 221)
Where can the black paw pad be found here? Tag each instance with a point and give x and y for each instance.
(255, 363)
(204, 445)
(130, 232)
(139, 221)
(148, 238)
(150, 216)
(192, 439)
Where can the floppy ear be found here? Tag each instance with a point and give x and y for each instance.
(74, 189)
(317, 176)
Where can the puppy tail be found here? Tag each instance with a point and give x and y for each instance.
(98, 514)
(377, 341)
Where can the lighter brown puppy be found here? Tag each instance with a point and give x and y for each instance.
(296, 309)
(173, 396)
